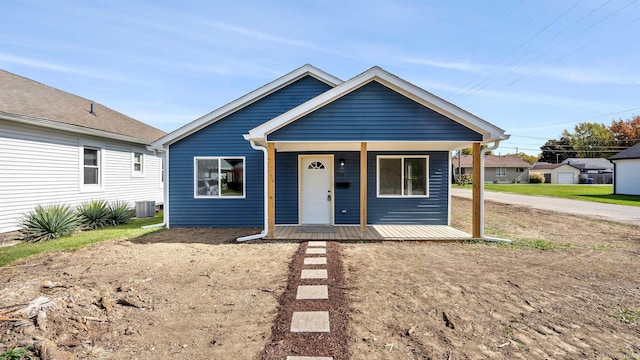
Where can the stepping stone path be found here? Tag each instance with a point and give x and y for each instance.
(312, 321)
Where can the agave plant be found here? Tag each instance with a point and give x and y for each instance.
(120, 212)
(49, 222)
(94, 214)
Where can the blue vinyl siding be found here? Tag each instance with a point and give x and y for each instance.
(411, 211)
(224, 138)
(374, 112)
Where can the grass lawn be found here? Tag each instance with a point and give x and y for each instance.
(597, 193)
(9, 254)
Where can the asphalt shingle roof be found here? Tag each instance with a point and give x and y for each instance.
(493, 161)
(24, 97)
(629, 153)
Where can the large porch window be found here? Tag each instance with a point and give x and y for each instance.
(403, 176)
(219, 177)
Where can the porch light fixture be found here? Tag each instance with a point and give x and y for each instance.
(341, 162)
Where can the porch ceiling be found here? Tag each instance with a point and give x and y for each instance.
(372, 146)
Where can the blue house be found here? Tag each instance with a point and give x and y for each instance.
(311, 149)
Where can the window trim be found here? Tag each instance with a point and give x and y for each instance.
(500, 173)
(100, 158)
(134, 172)
(402, 180)
(219, 196)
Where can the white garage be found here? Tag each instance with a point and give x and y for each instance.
(565, 178)
(626, 177)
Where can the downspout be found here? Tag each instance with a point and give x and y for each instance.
(482, 235)
(265, 191)
(165, 192)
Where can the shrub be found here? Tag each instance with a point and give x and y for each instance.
(49, 222)
(465, 179)
(536, 179)
(95, 214)
(120, 212)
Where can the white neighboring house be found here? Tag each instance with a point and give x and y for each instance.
(56, 147)
(626, 169)
(557, 173)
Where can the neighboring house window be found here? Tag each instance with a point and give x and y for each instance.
(219, 177)
(501, 171)
(519, 170)
(403, 176)
(91, 166)
(138, 163)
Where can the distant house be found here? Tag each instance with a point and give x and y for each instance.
(498, 169)
(311, 149)
(592, 170)
(556, 173)
(626, 168)
(56, 147)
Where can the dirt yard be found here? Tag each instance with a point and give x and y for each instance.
(195, 294)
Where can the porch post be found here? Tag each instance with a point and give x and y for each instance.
(271, 186)
(363, 189)
(476, 191)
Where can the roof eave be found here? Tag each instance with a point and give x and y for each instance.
(50, 124)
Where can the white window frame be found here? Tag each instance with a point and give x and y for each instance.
(134, 172)
(219, 196)
(100, 157)
(402, 180)
(501, 171)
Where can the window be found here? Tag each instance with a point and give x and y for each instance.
(219, 177)
(519, 170)
(501, 171)
(138, 162)
(91, 166)
(403, 176)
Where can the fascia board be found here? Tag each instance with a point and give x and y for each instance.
(244, 101)
(489, 131)
(50, 124)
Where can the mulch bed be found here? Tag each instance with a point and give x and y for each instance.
(286, 343)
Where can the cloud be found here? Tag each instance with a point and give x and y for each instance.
(569, 74)
(55, 67)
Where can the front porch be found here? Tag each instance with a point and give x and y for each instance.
(373, 233)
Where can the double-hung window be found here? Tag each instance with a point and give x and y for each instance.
(501, 171)
(403, 176)
(91, 166)
(138, 163)
(219, 177)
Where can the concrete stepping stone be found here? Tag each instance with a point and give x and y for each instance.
(315, 261)
(312, 292)
(310, 321)
(314, 274)
(317, 243)
(316, 251)
(309, 357)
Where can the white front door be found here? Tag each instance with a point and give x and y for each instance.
(316, 192)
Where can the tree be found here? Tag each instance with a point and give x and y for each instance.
(626, 132)
(469, 151)
(591, 140)
(556, 151)
(531, 159)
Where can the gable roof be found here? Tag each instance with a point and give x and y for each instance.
(629, 153)
(248, 99)
(27, 101)
(549, 166)
(493, 161)
(489, 132)
(589, 163)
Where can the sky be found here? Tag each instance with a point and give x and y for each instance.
(532, 67)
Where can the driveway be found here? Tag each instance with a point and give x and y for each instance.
(600, 211)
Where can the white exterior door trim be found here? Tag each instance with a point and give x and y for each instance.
(325, 198)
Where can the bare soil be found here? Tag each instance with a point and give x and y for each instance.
(194, 293)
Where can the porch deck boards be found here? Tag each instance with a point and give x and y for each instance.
(374, 233)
